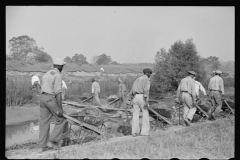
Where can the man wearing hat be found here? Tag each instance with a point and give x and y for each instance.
(51, 107)
(96, 91)
(216, 92)
(139, 96)
(122, 93)
(187, 91)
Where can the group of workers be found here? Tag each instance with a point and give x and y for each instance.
(138, 97)
(188, 94)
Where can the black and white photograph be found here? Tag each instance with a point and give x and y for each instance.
(120, 82)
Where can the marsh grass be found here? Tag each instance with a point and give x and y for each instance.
(212, 140)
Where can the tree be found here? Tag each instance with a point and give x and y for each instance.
(172, 66)
(67, 60)
(79, 59)
(94, 60)
(114, 63)
(103, 59)
(214, 61)
(24, 48)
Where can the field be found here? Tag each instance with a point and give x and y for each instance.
(213, 140)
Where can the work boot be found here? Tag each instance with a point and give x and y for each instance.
(53, 145)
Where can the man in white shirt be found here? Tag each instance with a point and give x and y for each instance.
(36, 83)
(101, 69)
(199, 86)
(64, 88)
(95, 91)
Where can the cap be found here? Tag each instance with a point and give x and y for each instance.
(147, 70)
(93, 79)
(192, 72)
(219, 72)
(58, 61)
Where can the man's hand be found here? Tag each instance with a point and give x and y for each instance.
(223, 97)
(194, 102)
(60, 113)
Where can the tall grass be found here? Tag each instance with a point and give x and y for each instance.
(18, 90)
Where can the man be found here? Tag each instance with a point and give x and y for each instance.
(216, 92)
(36, 83)
(139, 96)
(96, 91)
(64, 88)
(198, 87)
(187, 89)
(122, 93)
(51, 106)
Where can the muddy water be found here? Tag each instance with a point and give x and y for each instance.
(22, 133)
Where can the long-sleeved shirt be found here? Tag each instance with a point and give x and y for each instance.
(52, 82)
(216, 83)
(64, 85)
(122, 90)
(199, 86)
(187, 85)
(95, 87)
(141, 86)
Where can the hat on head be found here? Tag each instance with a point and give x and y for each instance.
(214, 71)
(219, 72)
(192, 73)
(119, 79)
(93, 79)
(147, 70)
(58, 61)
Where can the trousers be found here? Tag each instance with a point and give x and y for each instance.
(138, 104)
(216, 100)
(188, 109)
(96, 98)
(61, 125)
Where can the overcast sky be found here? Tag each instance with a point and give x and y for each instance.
(128, 34)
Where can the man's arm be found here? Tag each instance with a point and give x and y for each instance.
(92, 88)
(58, 92)
(222, 86)
(178, 90)
(203, 90)
(146, 90)
(193, 88)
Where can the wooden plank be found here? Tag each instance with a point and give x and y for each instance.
(114, 101)
(87, 99)
(83, 124)
(84, 105)
(163, 118)
(202, 111)
(229, 107)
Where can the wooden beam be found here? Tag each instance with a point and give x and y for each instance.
(91, 127)
(163, 118)
(229, 106)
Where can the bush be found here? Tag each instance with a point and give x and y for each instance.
(43, 57)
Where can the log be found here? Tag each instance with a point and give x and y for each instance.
(202, 111)
(229, 106)
(114, 101)
(83, 124)
(87, 99)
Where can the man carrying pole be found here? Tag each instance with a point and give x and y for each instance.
(139, 96)
(187, 91)
(216, 93)
(51, 106)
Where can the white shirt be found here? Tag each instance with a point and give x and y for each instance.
(101, 69)
(199, 86)
(95, 87)
(64, 85)
(34, 79)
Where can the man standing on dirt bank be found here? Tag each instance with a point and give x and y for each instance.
(51, 105)
(139, 96)
(187, 89)
(216, 92)
(122, 90)
(95, 91)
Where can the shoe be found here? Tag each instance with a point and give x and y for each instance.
(53, 145)
(135, 135)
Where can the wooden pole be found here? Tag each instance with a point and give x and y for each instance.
(229, 106)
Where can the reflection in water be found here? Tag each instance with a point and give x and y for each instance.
(17, 134)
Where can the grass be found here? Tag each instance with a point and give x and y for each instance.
(210, 140)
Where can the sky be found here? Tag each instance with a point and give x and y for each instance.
(129, 34)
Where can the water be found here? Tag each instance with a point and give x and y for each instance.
(22, 133)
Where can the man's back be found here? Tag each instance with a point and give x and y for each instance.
(141, 85)
(95, 87)
(216, 83)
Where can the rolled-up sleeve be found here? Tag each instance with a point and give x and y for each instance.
(222, 86)
(193, 87)
(147, 88)
(57, 88)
